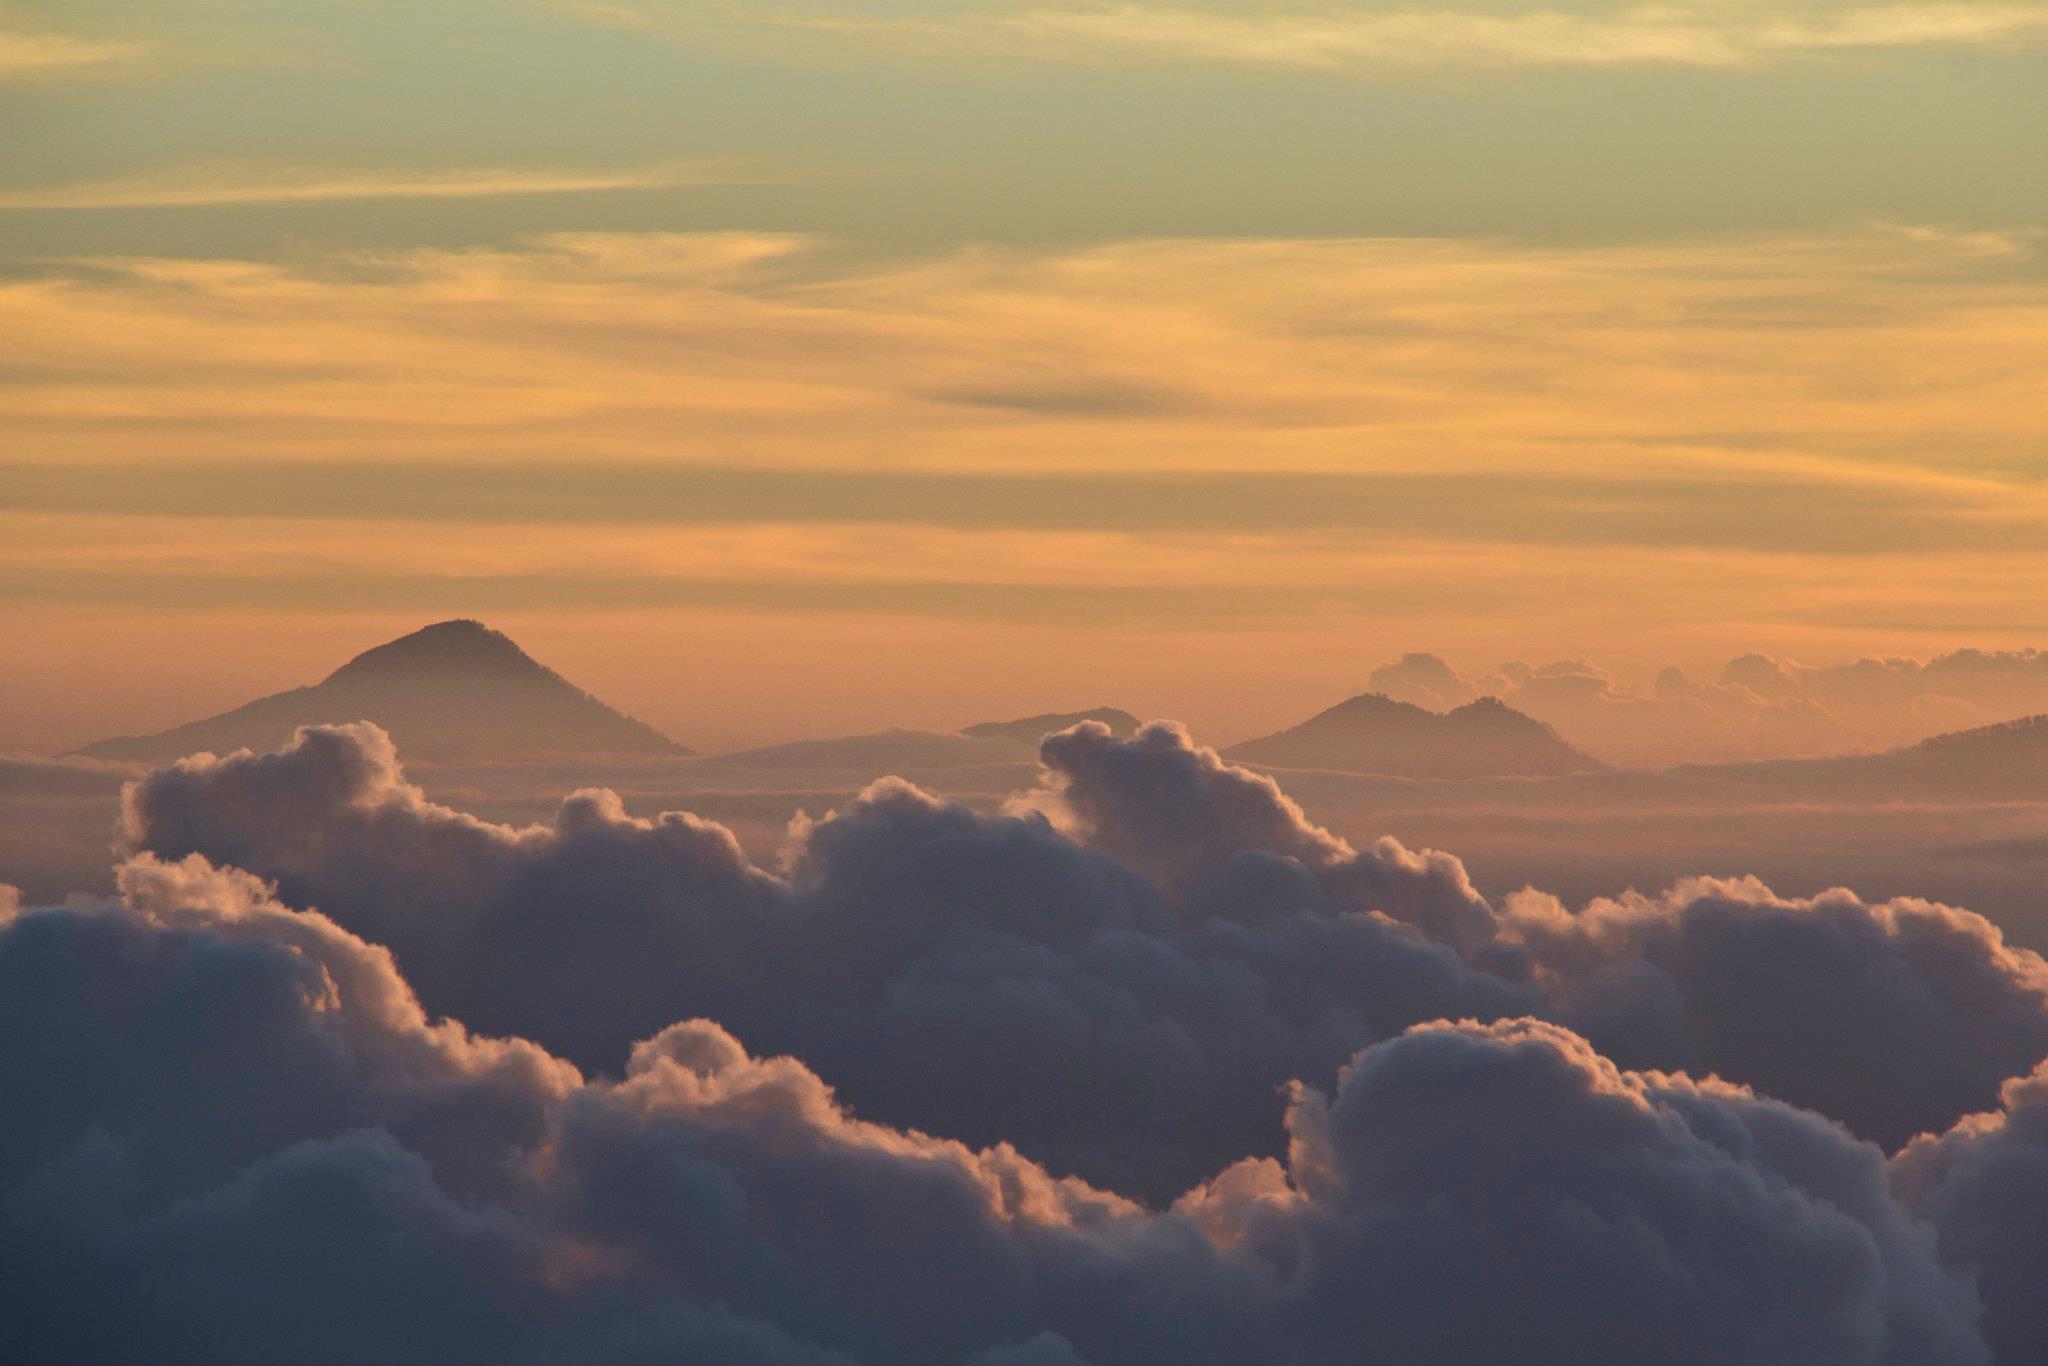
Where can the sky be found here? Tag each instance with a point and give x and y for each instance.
(781, 369)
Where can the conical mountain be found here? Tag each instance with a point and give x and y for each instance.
(453, 691)
(1373, 733)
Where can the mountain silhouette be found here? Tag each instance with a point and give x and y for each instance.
(880, 752)
(456, 690)
(905, 748)
(1373, 733)
(1031, 729)
(2007, 761)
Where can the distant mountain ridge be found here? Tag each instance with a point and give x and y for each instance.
(455, 690)
(879, 752)
(1031, 729)
(1373, 733)
(2005, 761)
(2027, 733)
(986, 743)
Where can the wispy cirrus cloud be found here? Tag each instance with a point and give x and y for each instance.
(1334, 39)
(1511, 445)
(25, 55)
(200, 186)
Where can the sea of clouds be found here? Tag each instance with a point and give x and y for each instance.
(1145, 1067)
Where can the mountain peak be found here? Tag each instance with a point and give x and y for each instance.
(462, 646)
(1374, 733)
(1375, 704)
(452, 691)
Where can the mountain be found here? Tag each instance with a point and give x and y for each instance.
(2003, 762)
(456, 690)
(2020, 742)
(903, 749)
(882, 752)
(1031, 729)
(1373, 733)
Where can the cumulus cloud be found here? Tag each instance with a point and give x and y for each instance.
(1759, 706)
(266, 1151)
(1116, 975)
(1419, 1181)
(1893, 1018)
(1675, 720)
(986, 978)
(1984, 1186)
(1899, 698)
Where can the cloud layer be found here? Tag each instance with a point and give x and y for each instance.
(34, 55)
(235, 1136)
(1983, 1185)
(1116, 976)
(256, 184)
(1372, 38)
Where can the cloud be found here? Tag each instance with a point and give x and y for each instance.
(1903, 697)
(1116, 975)
(1675, 720)
(202, 186)
(30, 56)
(988, 979)
(1633, 361)
(1420, 1159)
(1230, 842)
(1983, 1185)
(1720, 36)
(1740, 431)
(1894, 1018)
(1758, 707)
(268, 1151)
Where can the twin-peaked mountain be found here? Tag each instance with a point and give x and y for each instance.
(453, 691)
(1373, 733)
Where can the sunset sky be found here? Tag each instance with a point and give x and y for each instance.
(780, 367)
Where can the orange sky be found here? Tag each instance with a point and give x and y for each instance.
(772, 407)
(1221, 480)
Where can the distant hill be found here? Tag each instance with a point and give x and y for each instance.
(456, 690)
(903, 748)
(1373, 733)
(2027, 736)
(1031, 729)
(2003, 762)
(881, 752)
